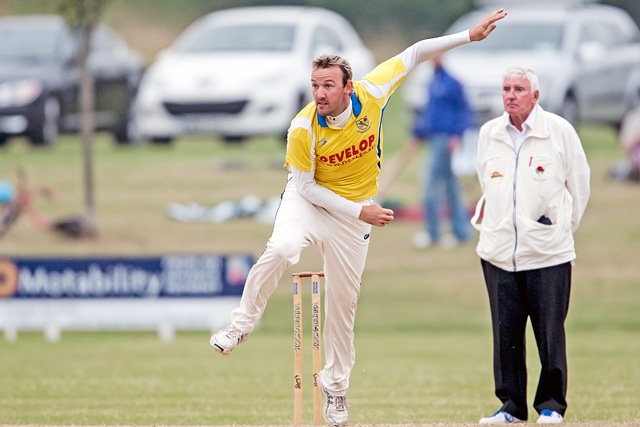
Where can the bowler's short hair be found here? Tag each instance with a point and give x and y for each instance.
(520, 71)
(328, 61)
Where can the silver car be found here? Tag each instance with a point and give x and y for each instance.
(586, 55)
(241, 72)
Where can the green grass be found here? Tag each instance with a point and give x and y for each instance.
(400, 378)
(422, 333)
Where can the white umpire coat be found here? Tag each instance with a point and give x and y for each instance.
(547, 178)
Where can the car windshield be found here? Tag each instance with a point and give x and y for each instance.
(521, 37)
(240, 38)
(27, 44)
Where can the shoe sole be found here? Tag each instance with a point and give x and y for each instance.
(333, 423)
(219, 349)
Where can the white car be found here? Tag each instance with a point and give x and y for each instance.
(587, 57)
(241, 72)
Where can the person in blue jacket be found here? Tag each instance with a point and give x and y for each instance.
(442, 123)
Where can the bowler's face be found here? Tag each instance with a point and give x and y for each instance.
(517, 97)
(330, 96)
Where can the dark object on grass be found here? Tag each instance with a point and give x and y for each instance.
(74, 226)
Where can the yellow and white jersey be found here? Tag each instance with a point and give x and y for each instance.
(347, 160)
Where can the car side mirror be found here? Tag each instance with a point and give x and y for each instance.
(590, 52)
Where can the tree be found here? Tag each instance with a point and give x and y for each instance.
(83, 16)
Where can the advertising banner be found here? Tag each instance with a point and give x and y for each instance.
(165, 293)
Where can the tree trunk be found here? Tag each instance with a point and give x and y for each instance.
(87, 127)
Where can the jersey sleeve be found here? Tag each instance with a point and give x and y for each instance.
(300, 145)
(383, 80)
(387, 76)
(426, 49)
(321, 196)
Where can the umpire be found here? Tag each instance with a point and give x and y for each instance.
(535, 185)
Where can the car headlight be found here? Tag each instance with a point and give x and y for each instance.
(17, 93)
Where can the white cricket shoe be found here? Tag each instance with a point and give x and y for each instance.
(448, 241)
(225, 340)
(422, 240)
(547, 416)
(335, 411)
(501, 417)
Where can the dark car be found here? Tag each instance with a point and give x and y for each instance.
(40, 79)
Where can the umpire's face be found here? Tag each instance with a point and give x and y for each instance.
(518, 98)
(329, 94)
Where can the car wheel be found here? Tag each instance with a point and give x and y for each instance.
(46, 132)
(125, 132)
(233, 139)
(3, 140)
(569, 109)
(162, 140)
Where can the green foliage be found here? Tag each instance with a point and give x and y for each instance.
(425, 17)
(631, 6)
(416, 19)
(83, 13)
(386, 26)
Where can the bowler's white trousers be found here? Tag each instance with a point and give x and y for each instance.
(343, 244)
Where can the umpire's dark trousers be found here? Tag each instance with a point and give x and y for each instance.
(543, 296)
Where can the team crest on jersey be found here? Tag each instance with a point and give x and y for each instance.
(363, 124)
(322, 142)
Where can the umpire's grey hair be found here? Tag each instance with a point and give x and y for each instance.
(519, 71)
(327, 61)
